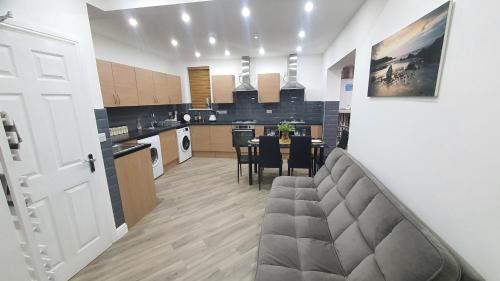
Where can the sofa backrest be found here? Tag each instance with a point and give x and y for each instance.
(375, 236)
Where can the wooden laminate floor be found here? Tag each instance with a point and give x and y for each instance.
(206, 227)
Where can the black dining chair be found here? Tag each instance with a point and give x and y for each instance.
(243, 158)
(300, 154)
(269, 155)
(344, 139)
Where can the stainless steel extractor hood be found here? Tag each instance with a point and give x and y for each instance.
(291, 76)
(245, 85)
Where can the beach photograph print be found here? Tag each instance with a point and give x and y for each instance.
(407, 64)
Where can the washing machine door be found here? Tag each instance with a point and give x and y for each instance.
(154, 156)
(186, 143)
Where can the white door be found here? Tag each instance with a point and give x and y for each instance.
(40, 89)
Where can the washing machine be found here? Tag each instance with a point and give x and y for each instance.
(184, 144)
(155, 154)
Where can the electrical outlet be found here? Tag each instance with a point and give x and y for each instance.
(269, 111)
(221, 112)
(102, 137)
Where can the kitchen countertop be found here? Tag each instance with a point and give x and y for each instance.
(120, 150)
(145, 133)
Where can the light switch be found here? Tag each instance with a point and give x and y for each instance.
(102, 137)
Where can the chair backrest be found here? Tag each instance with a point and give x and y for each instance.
(271, 131)
(302, 130)
(344, 138)
(300, 152)
(239, 142)
(269, 151)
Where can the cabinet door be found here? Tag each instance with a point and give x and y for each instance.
(259, 131)
(221, 139)
(125, 84)
(107, 85)
(317, 131)
(169, 148)
(161, 87)
(269, 87)
(174, 89)
(200, 138)
(145, 86)
(222, 88)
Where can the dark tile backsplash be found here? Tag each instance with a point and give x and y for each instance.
(109, 165)
(246, 106)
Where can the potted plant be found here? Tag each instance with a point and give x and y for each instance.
(285, 128)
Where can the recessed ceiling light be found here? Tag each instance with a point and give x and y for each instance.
(212, 40)
(174, 42)
(302, 34)
(197, 54)
(245, 12)
(256, 37)
(133, 22)
(309, 6)
(186, 17)
(262, 51)
(299, 49)
(227, 53)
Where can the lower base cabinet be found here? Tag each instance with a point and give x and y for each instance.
(137, 188)
(169, 147)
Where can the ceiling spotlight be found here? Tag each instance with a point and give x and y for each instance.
(197, 54)
(174, 42)
(299, 49)
(186, 17)
(227, 53)
(302, 34)
(262, 51)
(133, 22)
(245, 12)
(212, 40)
(309, 6)
(256, 37)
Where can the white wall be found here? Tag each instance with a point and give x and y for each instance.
(112, 50)
(309, 68)
(441, 156)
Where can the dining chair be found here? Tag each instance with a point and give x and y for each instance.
(344, 139)
(269, 155)
(300, 154)
(243, 158)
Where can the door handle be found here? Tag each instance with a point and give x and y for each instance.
(91, 161)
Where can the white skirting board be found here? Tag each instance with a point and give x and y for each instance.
(120, 232)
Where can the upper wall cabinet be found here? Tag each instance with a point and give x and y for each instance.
(125, 84)
(107, 85)
(174, 89)
(145, 87)
(269, 87)
(222, 88)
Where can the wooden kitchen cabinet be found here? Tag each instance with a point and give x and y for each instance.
(221, 138)
(222, 88)
(161, 87)
(174, 89)
(125, 84)
(317, 131)
(169, 148)
(145, 86)
(269, 87)
(107, 85)
(137, 189)
(259, 131)
(200, 138)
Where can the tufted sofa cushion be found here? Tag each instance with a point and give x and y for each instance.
(344, 225)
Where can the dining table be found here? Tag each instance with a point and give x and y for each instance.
(318, 146)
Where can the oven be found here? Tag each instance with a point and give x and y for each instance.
(242, 133)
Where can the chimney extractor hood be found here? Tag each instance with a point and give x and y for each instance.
(244, 78)
(291, 76)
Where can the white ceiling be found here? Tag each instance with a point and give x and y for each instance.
(277, 22)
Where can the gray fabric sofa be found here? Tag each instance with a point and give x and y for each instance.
(343, 224)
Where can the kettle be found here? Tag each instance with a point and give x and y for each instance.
(212, 117)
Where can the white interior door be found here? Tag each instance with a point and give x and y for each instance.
(40, 89)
